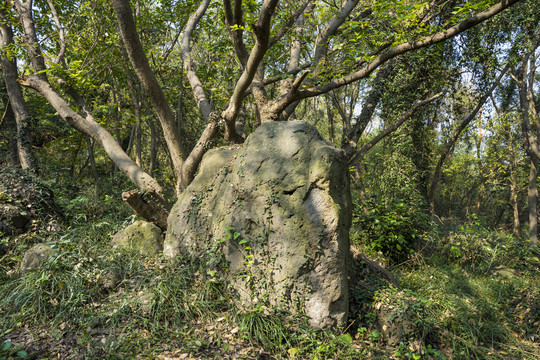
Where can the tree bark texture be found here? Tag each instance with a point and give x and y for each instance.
(530, 134)
(149, 205)
(516, 226)
(139, 61)
(532, 195)
(18, 104)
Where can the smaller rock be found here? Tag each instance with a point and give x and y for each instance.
(142, 236)
(146, 301)
(35, 257)
(505, 271)
(111, 279)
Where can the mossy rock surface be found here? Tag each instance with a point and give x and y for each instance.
(25, 200)
(36, 257)
(279, 207)
(142, 236)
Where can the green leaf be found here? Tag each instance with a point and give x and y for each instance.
(22, 354)
(345, 338)
(6, 346)
(292, 351)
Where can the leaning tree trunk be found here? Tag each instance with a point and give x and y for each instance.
(18, 105)
(86, 124)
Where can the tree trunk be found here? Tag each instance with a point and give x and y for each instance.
(516, 226)
(140, 64)
(330, 116)
(12, 129)
(149, 205)
(153, 146)
(90, 145)
(138, 143)
(532, 194)
(350, 138)
(530, 135)
(18, 105)
(449, 147)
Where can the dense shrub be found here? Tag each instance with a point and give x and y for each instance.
(390, 226)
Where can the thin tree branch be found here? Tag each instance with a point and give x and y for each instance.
(450, 145)
(350, 138)
(290, 21)
(196, 85)
(168, 51)
(390, 129)
(61, 33)
(394, 51)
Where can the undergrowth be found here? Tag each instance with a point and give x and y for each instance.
(467, 292)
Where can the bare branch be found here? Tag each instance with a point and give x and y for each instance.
(196, 85)
(390, 129)
(61, 33)
(450, 145)
(262, 32)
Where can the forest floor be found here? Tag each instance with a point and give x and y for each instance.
(467, 293)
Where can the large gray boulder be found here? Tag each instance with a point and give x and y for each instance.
(280, 208)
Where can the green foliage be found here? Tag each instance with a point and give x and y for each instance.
(391, 226)
(8, 351)
(479, 283)
(482, 250)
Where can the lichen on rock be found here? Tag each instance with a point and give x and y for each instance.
(280, 207)
(36, 257)
(142, 236)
